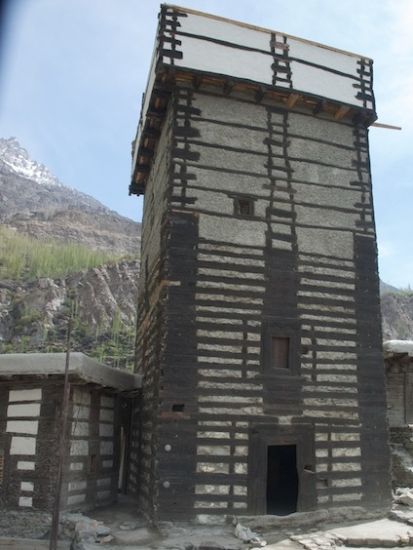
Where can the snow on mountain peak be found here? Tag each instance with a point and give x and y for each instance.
(16, 159)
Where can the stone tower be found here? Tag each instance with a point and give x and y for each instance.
(259, 321)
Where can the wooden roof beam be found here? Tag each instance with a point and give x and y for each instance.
(320, 106)
(341, 112)
(292, 100)
(146, 152)
(259, 94)
(197, 81)
(228, 87)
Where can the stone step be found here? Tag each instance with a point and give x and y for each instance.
(381, 533)
(306, 520)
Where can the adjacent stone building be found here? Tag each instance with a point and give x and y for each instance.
(398, 356)
(259, 321)
(31, 395)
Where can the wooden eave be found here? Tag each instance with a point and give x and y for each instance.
(168, 77)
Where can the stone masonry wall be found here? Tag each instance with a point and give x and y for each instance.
(396, 380)
(28, 441)
(91, 472)
(152, 292)
(399, 385)
(303, 264)
(29, 445)
(401, 444)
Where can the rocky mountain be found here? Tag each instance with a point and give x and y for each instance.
(101, 302)
(34, 201)
(397, 314)
(15, 159)
(36, 212)
(386, 288)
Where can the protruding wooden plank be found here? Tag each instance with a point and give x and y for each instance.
(197, 81)
(292, 100)
(319, 107)
(259, 95)
(228, 87)
(152, 132)
(386, 126)
(144, 168)
(146, 152)
(341, 112)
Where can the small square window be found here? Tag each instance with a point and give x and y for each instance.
(243, 207)
(279, 348)
(280, 352)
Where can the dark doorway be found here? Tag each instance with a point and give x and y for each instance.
(282, 479)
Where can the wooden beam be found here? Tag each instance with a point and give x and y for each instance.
(146, 152)
(143, 168)
(228, 87)
(156, 112)
(292, 100)
(152, 132)
(161, 92)
(386, 126)
(342, 111)
(259, 95)
(197, 81)
(319, 107)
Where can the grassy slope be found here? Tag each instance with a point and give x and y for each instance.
(23, 257)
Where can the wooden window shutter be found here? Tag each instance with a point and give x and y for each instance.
(280, 352)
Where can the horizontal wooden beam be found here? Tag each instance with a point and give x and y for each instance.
(386, 126)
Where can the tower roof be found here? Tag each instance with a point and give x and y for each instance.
(194, 49)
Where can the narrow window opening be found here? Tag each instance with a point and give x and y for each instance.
(1, 466)
(244, 207)
(93, 464)
(280, 351)
(178, 407)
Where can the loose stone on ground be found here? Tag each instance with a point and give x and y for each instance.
(119, 527)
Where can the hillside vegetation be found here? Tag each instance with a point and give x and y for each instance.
(34, 313)
(63, 254)
(43, 283)
(24, 257)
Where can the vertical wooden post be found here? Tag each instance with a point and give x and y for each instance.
(54, 532)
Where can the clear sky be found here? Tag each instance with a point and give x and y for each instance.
(73, 73)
